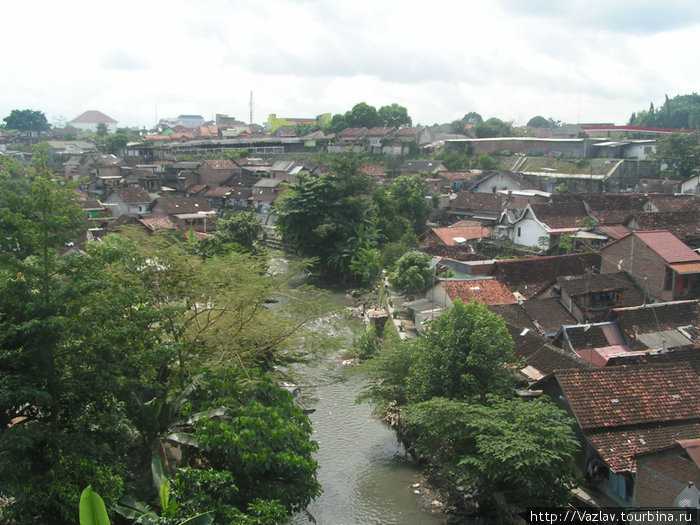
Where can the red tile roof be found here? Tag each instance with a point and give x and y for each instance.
(619, 447)
(448, 235)
(91, 117)
(489, 291)
(560, 215)
(682, 224)
(221, 164)
(618, 396)
(668, 246)
(529, 275)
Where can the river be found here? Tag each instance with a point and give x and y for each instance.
(366, 475)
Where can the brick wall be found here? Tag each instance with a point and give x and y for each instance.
(639, 261)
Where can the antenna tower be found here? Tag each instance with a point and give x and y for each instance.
(251, 108)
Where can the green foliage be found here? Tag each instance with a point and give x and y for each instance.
(505, 444)
(412, 272)
(492, 127)
(411, 195)
(93, 345)
(538, 122)
(261, 437)
(679, 154)
(26, 120)
(388, 371)
(680, 112)
(368, 344)
(236, 232)
(394, 116)
(465, 352)
(485, 162)
(327, 217)
(92, 508)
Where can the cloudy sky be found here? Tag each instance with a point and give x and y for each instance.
(136, 61)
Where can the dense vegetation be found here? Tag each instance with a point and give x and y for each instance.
(350, 226)
(140, 350)
(679, 112)
(454, 391)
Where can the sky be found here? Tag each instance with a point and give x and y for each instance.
(574, 61)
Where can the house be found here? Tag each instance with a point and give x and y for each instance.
(660, 202)
(216, 172)
(612, 208)
(548, 314)
(592, 342)
(376, 138)
(187, 213)
(542, 225)
(527, 276)
(475, 206)
(658, 261)
(683, 224)
(452, 181)
(660, 326)
(220, 197)
(622, 412)
(664, 473)
(488, 291)
(592, 297)
(538, 356)
(690, 185)
(501, 180)
(452, 236)
(128, 201)
(264, 193)
(350, 138)
(89, 120)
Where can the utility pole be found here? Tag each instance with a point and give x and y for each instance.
(251, 108)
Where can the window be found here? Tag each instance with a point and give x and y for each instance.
(519, 231)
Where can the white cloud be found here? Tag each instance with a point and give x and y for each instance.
(513, 59)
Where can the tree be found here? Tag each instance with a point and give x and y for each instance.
(679, 154)
(493, 127)
(538, 122)
(328, 217)
(115, 142)
(413, 200)
(395, 116)
(362, 115)
(412, 272)
(465, 352)
(239, 232)
(472, 118)
(26, 120)
(511, 445)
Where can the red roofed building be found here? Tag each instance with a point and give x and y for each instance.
(623, 412)
(661, 264)
(89, 120)
(488, 291)
(452, 236)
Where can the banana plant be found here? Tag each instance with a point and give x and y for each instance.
(92, 509)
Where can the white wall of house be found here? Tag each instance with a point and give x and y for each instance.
(438, 294)
(527, 232)
(497, 182)
(691, 185)
(638, 151)
(92, 126)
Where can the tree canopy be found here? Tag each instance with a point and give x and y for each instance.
(363, 115)
(132, 347)
(26, 120)
(679, 112)
(679, 155)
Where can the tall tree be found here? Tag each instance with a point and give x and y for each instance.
(394, 116)
(362, 115)
(26, 120)
(465, 352)
(679, 155)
